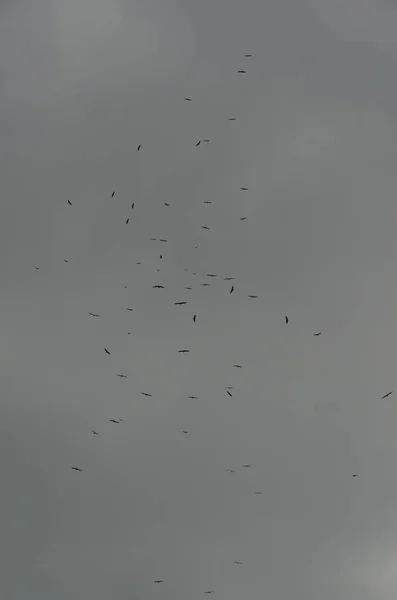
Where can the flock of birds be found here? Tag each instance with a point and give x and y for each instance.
(228, 389)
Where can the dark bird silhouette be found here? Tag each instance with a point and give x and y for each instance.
(107, 351)
(228, 278)
(113, 193)
(194, 318)
(244, 189)
(163, 240)
(138, 262)
(121, 375)
(160, 287)
(286, 320)
(94, 314)
(387, 395)
(159, 581)
(166, 203)
(179, 303)
(209, 592)
(185, 432)
(258, 493)
(65, 260)
(241, 71)
(76, 469)
(129, 309)
(146, 394)
(161, 256)
(70, 203)
(37, 268)
(231, 118)
(132, 205)
(139, 147)
(317, 334)
(243, 218)
(183, 351)
(207, 202)
(247, 55)
(188, 99)
(198, 143)
(153, 239)
(193, 397)
(253, 296)
(231, 470)
(227, 392)
(114, 421)
(355, 474)
(188, 287)
(204, 284)
(229, 387)
(246, 466)
(127, 221)
(94, 432)
(237, 562)
(231, 289)
(204, 227)
(238, 366)
(211, 275)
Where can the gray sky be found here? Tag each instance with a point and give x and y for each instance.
(83, 82)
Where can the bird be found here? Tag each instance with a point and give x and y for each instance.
(114, 421)
(160, 287)
(188, 99)
(76, 469)
(246, 466)
(231, 118)
(193, 397)
(185, 432)
(241, 71)
(146, 394)
(252, 296)
(198, 143)
(121, 375)
(229, 387)
(206, 141)
(286, 320)
(258, 493)
(247, 55)
(188, 287)
(244, 189)
(237, 562)
(317, 334)
(113, 193)
(243, 218)
(211, 275)
(139, 147)
(179, 303)
(194, 318)
(161, 256)
(387, 395)
(107, 351)
(159, 581)
(209, 592)
(228, 278)
(231, 289)
(163, 240)
(94, 432)
(70, 204)
(65, 260)
(207, 202)
(355, 474)
(93, 314)
(132, 205)
(153, 239)
(231, 470)
(166, 203)
(37, 268)
(183, 351)
(129, 309)
(204, 284)
(138, 262)
(204, 227)
(238, 366)
(227, 392)
(127, 221)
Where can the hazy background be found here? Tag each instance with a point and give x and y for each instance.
(82, 83)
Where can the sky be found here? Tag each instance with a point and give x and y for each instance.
(83, 83)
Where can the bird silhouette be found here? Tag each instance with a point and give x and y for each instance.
(114, 421)
(287, 320)
(317, 334)
(76, 469)
(113, 193)
(120, 375)
(107, 351)
(146, 394)
(70, 203)
(93, 314)
(139, 147)
(387, 395)
(194, 318)
(231, 289)
(180, 303)
(94, 432)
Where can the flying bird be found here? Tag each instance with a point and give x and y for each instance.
(207, 202)
(231, 470)
(114, 421)
(246, 466)
(252, 296)
(185, 432)
(237, 562)
(160, 287)
(204, 227)
(387, 395)
(238, 366)
(229, 387)
(159, 581)
(227, 392)
(317, 334)
(70, 203)
(183, 351)
(206, 141)
(107, 351)
(188, 287)
(65, 260)
(243, 218)
(76, 469)
(166, 203)
(188, 99)
(211, 275)
(204, 284)
(179, 303)
(163, 240)
(228, 278)
(139, 147)
(286, 320)
(355, 474)
(132, 205)
(146, 394)
(127, 221)
(241, 71)
(37, 268)
(198, 143)
(244, 189)
(94, 314)
(231, 118)
(258, 493)
(121, 375)
(194, 318)
(193, 397)
(94, 432)
(129, 309)
(138, 262)
(247, 55)
(231, 289)
(113, 193)
(209, 592)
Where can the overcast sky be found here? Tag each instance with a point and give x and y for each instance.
(82, 84)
